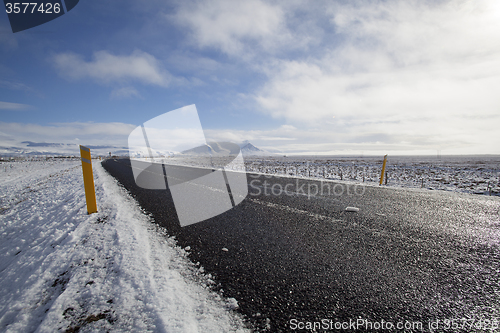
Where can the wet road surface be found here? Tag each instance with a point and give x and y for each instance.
(293, 257)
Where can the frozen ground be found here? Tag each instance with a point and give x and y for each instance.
(468, 174)
(63, 270)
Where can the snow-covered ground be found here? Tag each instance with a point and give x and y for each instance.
(63, 270)
(467, 174)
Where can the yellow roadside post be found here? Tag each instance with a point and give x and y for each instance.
(383, 170)
(88, 180)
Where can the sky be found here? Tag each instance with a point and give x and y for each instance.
(295, 77)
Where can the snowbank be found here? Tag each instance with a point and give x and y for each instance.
(64, 270)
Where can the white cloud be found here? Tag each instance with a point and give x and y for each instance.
(108, 68)
(76, 132)
(15, 85)
(408, 73)
(125, 92)
(13, 106)
(231, 25)
(367, 139)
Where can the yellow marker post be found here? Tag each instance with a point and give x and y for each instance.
(383, 170)
(88, 180)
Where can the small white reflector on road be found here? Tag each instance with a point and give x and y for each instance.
(352, 209)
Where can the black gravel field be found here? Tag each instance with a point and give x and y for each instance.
(407, 261)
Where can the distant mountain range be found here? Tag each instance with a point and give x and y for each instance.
(31, 148)
(225, 148)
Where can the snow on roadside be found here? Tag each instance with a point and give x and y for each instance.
(64, 270)
(466, 174)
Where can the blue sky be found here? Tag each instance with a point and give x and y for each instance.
(316, 77)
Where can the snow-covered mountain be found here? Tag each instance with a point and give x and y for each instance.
(249, 149)
(214, 149)
(226, 148)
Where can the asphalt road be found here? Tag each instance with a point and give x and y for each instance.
(408, 259)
